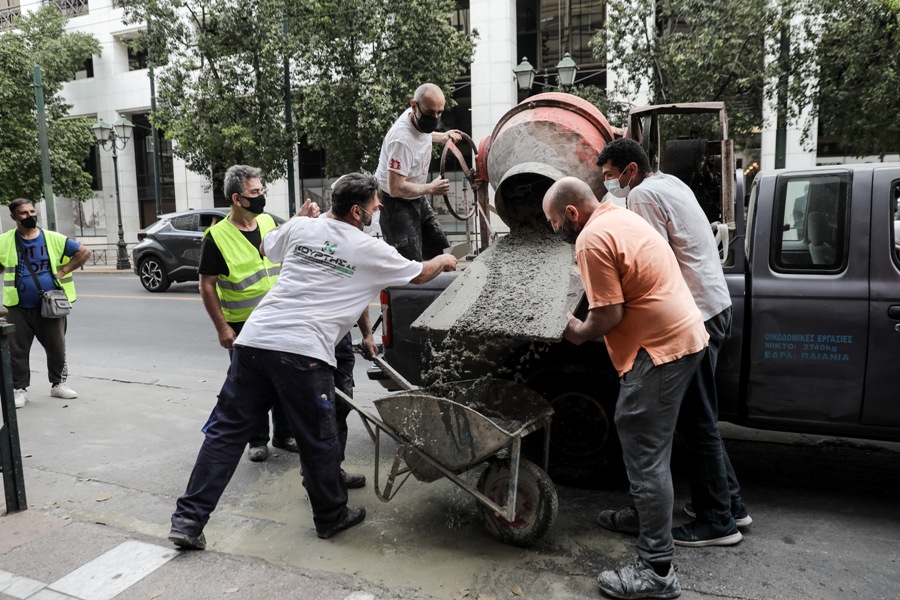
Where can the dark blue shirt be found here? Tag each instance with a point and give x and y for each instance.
(37, 254)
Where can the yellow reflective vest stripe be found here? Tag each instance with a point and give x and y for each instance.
(250, 275)
(9, 258)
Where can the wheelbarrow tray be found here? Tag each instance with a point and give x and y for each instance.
(461, 424)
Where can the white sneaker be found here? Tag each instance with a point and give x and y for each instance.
(21, 397)
(63, 391)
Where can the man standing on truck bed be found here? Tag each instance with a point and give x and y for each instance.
(408, 222)
(671, 208)
(639, 303)
(330, 271)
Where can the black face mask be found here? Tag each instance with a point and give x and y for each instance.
(568, 232)
(427, 124)
(256, 204)
(29, 222)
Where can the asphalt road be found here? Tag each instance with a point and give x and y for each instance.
(147, 368)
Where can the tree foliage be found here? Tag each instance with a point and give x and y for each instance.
(40, 39)
(358, 63)
(694, 51)
(354, 64)
(220, 92)
(845, 68)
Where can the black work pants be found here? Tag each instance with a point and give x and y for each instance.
(343, 380)
(715, 492)
(50, 333)
(411, 226)
(280, 428)
(257, 380)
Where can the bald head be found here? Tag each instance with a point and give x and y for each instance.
(569, 191)
(430, 92)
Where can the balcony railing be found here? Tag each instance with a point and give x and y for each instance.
(7, 16)
(70, 8)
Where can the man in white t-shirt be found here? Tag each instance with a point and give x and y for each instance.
(330, 272)
(671, 208)
(407, 220)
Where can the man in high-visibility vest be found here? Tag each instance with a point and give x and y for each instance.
(35, 260)
(234, 277)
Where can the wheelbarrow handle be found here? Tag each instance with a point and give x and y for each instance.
(393, 374)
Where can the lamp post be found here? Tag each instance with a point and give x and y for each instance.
(565, 69)
(109, 138)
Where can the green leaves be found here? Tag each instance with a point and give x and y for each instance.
(41, 39)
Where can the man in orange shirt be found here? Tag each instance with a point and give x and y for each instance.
(638, 301)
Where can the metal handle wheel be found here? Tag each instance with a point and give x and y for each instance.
(536, 503)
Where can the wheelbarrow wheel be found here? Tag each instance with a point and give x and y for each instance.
(536, 503)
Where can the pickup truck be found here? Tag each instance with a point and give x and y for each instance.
(813, 266)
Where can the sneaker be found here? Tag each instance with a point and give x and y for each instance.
(61, 390)
(353, 480)
(704, 533)
(741, 516)
(353, 516)
(186, 541)
(638, 580)
(258, 453)
(21, 397)
(289, 444)
(622, 521)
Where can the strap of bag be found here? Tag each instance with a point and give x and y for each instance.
(28, 263)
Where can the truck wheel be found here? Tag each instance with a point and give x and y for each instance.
(536, 503)
(584, 445)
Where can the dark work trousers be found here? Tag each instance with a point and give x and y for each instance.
(715, 492)
(646, 413)
(280, 428)
(256, 381)
(411, 226)
(343, 380)
(50, 333)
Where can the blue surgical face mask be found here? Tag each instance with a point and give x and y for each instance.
(616, 189)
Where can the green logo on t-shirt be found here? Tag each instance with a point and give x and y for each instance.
(329, 247)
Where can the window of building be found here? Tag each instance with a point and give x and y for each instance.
(9, 10)
(87, 69)
(137, 58)
(70, 8)
(92, 167)
(547, 29)
(142, 139)
(810, 225)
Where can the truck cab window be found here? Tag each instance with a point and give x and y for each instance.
(811, 213)
(895, 219)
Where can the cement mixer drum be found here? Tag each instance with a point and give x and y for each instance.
(544, 138)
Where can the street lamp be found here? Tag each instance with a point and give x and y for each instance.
(109, 138)
(565, 69)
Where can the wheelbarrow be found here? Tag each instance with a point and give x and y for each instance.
(445, 431)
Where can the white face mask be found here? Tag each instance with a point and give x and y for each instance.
(376, 216)
(614, 188)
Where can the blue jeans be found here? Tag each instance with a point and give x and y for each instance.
(646, 412)
(258, 379)
(715, 492)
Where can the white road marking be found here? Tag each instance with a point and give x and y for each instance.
(115, 571)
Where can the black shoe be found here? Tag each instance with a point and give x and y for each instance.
(353, 516)
(702, 533)
(622, 521)
(258, 453)
(289, 444)
(739, 512)
(353, 480)
(186, 541)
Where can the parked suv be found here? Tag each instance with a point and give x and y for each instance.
(169, 250)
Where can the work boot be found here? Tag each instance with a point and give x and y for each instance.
(353, 516)
(353, 480)
(289, 444)
(185, 541)
(258, 453)
(622, 521)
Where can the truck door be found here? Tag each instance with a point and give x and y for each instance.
(808, 297)
(882, 398)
